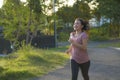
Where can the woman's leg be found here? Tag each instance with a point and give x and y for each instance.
(84, 69)
(74, 69)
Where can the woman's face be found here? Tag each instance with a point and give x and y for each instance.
(77, 25)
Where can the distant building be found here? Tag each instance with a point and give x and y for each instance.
(94, 23)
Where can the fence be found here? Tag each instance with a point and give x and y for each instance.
(39, 42)
(44, 42)
(5, 46)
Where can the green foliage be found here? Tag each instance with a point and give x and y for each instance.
(29, 62)
(63, 36)
(35, 6)
(109, 10)
(14, 18)
(19, 19)
(79, 9)
(98, 34)
(111, 7)
(63, 14)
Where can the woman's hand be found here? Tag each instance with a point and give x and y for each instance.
(71, 40)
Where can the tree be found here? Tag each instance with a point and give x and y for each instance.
(19, 19)
(34, 9)
(109, 10)
(79, 9)
(13, 19)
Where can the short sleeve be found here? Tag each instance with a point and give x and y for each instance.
(84, 36)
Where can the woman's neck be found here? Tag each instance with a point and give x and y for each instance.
(78, 32)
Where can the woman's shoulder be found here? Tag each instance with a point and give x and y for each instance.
(84, 34)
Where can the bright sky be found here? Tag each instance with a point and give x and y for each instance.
(70, 2)
(1, 2)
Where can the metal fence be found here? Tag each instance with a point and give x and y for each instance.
(39, 42)
(44, 42)
(5, 46)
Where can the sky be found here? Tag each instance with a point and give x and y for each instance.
(70, 2)
(1, 2)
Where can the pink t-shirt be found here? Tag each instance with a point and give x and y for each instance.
(78, 54)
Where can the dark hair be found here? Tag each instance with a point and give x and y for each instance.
(84, 23)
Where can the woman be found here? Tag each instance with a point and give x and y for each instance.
(78, 49)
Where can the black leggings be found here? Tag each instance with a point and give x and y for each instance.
(84, 69)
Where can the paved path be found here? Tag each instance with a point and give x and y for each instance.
(105, 65)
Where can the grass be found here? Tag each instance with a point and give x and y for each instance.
(115, 44)
(29, 62)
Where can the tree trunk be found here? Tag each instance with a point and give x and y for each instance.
(33, 35)
(28, 28)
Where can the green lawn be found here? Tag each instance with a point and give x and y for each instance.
(29, 62)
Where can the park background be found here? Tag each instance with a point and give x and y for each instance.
(23, 24)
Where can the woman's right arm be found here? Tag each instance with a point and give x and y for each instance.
(68, 51)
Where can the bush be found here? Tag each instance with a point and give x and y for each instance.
(98, 34)
(63, 36)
